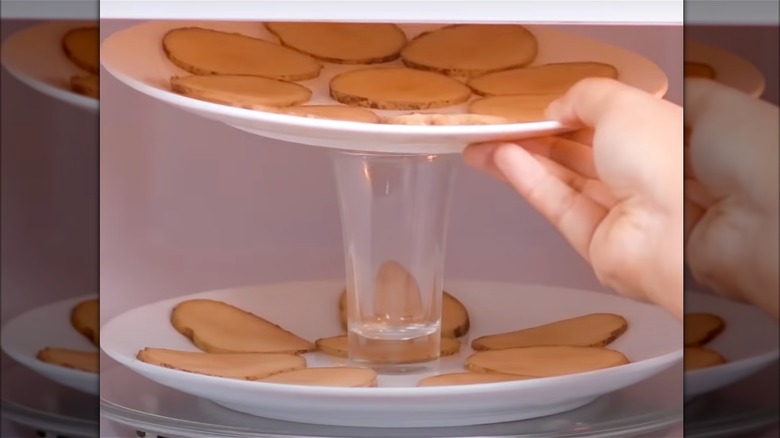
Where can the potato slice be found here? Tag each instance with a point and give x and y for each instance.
(347, 377)
(88, 361)
(397, 296)
(592, 330)
(244, 366)
(397, 88)
(87, 85)
(207, 52)
(698, 70)
(84, 317)
(698, 357)
(217, 327)
(543, 79)
(701, 328)
(342, 43)
(470, 50)
(455, 320)
(544, 361)
(250, 92)
(82, 47)
(339, 346)
(515, 108)
(466, 378)
(444, 119)
(334, 112)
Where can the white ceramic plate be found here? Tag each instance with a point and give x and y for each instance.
(49, 326)
(35, 57)
(730, 69)
(748, 343)
(309, 309)
(135, 57)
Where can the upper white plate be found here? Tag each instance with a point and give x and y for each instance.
(652, 343)
(749, 343)
(730, 69)
(35, 57)
(49, 326)
(135, 56)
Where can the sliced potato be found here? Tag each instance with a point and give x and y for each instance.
(700, 357)
(397, 296)
(342, 43)
(250, 92)
(88, 361)
(349, 377)
(84, 317)
(470, 50)
(397, 88)
(217, 327)
(207, 52)
(543, 79)
(455, 321)
(544, 361)
(701, 328)
(466, 378)
(515, 108)
(592, 330)
(82, 47)
(334, 112)
(244, 366)
(87, 85)
(339, 346)
(698, 70)
(444, 119)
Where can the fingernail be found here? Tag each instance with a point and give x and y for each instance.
(553, 109)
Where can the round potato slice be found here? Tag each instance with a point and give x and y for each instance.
(466, 378)
(397, 88)
(348, 377)
(342, 43)
(544, 361)
(542, 79)
(208, 52)
(470, 50)
(699, 357)
(251, 92)
(88, 85)
(82, 47)
(334, 112)
(701, 328)
(698, 70)
(516, 108)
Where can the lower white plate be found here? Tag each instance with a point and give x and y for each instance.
(652, 343)
(49, 326)
(35, 57)
(135, 56)
(749, 343)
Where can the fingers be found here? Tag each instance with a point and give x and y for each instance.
(733, 140)
(480, 157)
(567, 153)
(575, 215)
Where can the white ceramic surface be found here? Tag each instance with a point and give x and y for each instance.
(730, 68)
(652, 344)
(749, 343)
(49, 326)
(135, 57)
(35, 57)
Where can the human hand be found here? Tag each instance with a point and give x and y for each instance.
(732, 193)
(619, 202)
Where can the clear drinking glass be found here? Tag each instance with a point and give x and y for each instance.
(394, 213)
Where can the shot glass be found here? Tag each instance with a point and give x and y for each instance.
(394, 213)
